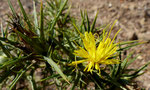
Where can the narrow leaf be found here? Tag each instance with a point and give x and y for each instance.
(55, 66)
(11, 7)
(41, 22)
(55, 20)
(35, 19)
(125, 61)
(19, 75)
(94, 22)
(49, 77)
(128, 47)
(142, 68)
(88, 22)
(5, 50)
(25, 15)
(132, 60)
(2, 30)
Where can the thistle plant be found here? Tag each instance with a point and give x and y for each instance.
(64, 49)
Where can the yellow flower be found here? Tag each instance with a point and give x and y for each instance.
(95, 56)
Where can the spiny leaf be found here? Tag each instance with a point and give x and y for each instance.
(35, 19)
(14, 61)
(128, 47)
(88, 22)
(94, 22)
(5, 50)
(128, 42)
(25, 15)
(66, 15)
(112, 81)
(132, 60)
(142, 68)
(55, 66)
(19, 75)
(2, 30)
(5, 75)
(125, 61)
(8, 41)
(77, 79)
(11, 7)
(49, 77)
(55, 20)
(64, 48)
(41, 22)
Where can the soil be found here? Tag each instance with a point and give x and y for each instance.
(133, 17)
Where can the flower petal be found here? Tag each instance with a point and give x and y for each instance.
(89, 43)
(91, 64)
(77, 62)
(81, 53)
(97, 66)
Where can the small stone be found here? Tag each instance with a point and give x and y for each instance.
(132, 36)
(140, 57)
(110, 5)
(144, 36)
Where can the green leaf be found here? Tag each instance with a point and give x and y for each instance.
(49, 77)
(5, 75)
(55, 66)
(69, 42)
(77, 79)
(14, 61)
(113, 71)
(76, 28)
(118, 71)
(94, 22)
(142, 68)
(66, 15)
(25, 16)
(128, 47)
(5, 50)
(26, 38)
(136, 73)
(18, 76)
(41, 22)
(11, 7)
(63, 47)
(82, 21)
(97, 80)
(88, 22)
(6, 30)
(35, 19)
(128, 42)
(112, 80)
(8, 41)
(55, 20)
(125, 61)
(2, 30)
(132, 60)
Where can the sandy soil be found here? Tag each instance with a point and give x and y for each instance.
(133, 17)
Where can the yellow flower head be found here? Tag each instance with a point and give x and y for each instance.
(94, 56)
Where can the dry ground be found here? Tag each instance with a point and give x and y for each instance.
(133, 17)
